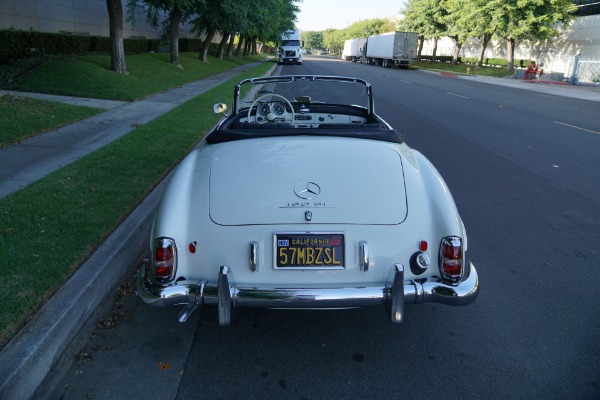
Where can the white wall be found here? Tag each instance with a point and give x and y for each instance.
(89, 17)
(583, 36)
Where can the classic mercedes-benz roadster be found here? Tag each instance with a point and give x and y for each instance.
(303, 198)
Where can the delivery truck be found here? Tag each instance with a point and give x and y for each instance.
(353, 49)
(392, 48)
(290, 49)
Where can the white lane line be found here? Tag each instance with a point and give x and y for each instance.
(458, 95)
(577, 127)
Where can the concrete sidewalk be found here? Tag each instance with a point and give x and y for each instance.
(591, 93)
(52, 334)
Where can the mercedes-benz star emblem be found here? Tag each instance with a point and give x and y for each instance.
(307, 190)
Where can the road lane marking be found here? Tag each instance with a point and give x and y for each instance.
(577, 127)
(458, 95)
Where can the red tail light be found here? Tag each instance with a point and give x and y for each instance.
(451, 258)
(165, 259)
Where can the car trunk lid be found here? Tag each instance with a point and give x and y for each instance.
(276, 181)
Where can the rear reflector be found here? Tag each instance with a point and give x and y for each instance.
(451, 258)
(165, 259)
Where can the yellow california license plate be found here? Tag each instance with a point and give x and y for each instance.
(309, 250)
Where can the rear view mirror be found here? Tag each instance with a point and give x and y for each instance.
(220, 108)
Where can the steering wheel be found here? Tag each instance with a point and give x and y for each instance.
(271, 109)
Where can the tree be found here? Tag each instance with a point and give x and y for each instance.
(333, 40)
(232, 18)
(456, 31)
(207, 20)
(177, 10)
(470, 18)
(313, 39)
(223, 45)
(230, 45)
(428, 18)
(528, 19)
(117, 48)
(369, 27)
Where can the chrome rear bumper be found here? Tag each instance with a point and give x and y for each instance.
(228, 296)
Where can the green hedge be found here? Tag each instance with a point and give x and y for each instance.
(496, 62)
(491, 62)
(16, 45)
(189, 45)
(441, 59)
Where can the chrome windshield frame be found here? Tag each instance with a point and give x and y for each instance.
(293, 78)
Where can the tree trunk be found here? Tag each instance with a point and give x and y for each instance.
(254, 47)
(435, 44)
(176, 16)
(247, 44)
(420, 50)
(485, 39)
(239, 46)
(510, 50)
(230, 47)
(457, 47)
(210, 33)
(117, 49)
(222, 45)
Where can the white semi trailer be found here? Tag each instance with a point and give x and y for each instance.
(393, 48)
(353, 49)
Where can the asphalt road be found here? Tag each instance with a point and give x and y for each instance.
(523, 168)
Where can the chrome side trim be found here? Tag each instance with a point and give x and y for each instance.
(363, 249)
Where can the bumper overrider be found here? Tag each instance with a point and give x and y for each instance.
(227, 295)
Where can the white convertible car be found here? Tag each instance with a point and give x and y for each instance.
(303, 198)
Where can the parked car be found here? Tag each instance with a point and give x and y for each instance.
(302, 197)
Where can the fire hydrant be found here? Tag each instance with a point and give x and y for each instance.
(468, 71)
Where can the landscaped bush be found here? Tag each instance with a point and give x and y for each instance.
(187, 45)
(16, 45)
(488, 62)
(496, 62)
(443, 59)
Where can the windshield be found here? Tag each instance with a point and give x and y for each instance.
(307, 90)
(290, 43)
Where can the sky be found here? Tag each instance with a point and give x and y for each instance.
(318, 15)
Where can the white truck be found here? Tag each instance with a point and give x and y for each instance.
(392, 48)
(353, 49)
(290, 49)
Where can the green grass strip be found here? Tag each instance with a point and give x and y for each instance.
(461, 69)
(51, 227)
(90, 76)
(21, 117)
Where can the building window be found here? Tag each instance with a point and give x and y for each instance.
(587, 7)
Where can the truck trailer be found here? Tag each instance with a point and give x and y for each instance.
(290, 49)
(392, 48)
(353, 49)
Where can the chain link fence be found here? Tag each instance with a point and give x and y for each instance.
(586, 70)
